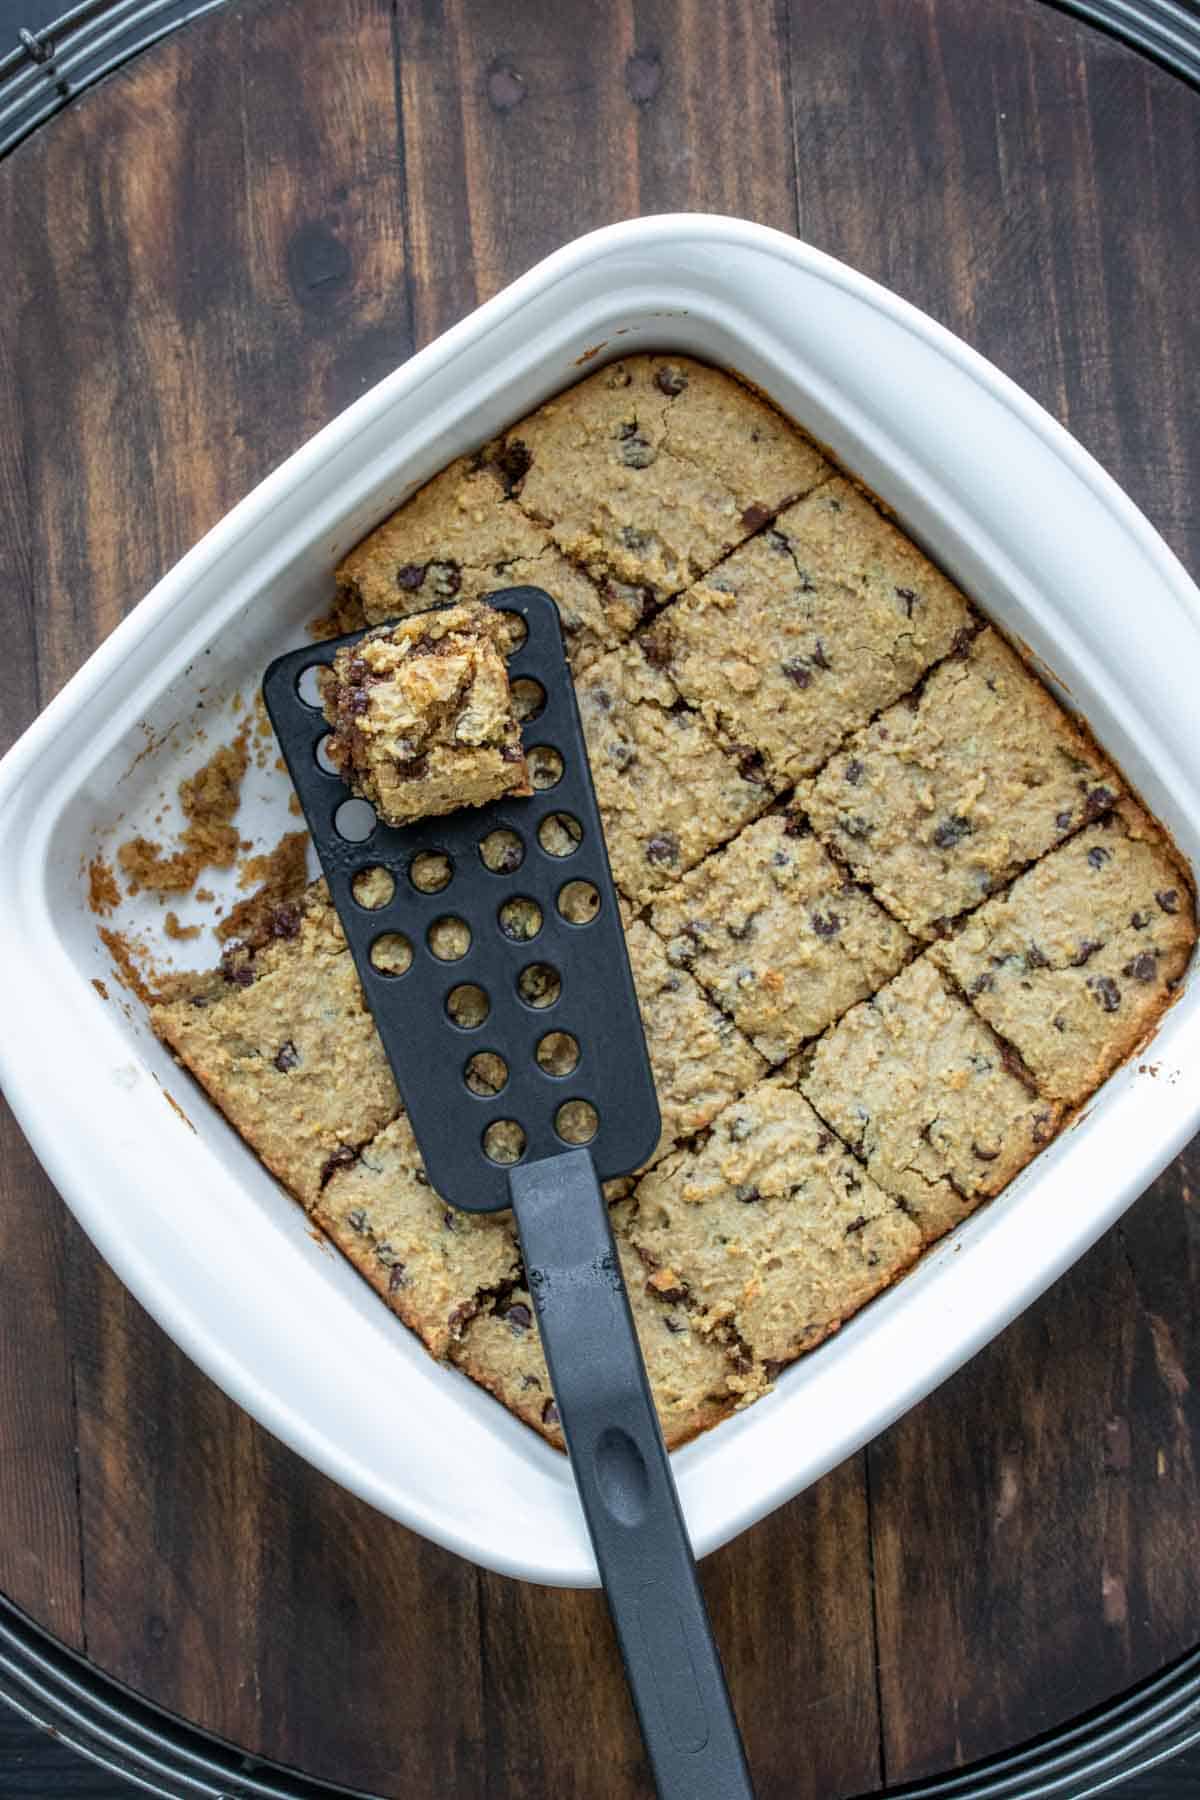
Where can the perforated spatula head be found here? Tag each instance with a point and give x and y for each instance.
(546, 967)
(488, 944)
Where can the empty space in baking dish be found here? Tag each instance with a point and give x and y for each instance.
(227, 1262)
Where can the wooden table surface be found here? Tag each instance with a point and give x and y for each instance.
(206, 258)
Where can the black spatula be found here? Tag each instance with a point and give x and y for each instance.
(493, 1133)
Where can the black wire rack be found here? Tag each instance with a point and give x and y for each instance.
(46, 68)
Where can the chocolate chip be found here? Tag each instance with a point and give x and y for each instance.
(960, 647)
(355, 701)
(1168, 899)
(674, 1326)
(408, 577)
(514, 463)
(285, 919)
(518, 1318)
(1058, 1022)
(819, 657)
(461, 1317)
(663, 850)
(550, 1414)
(755, 516)
(951, 831)
(512, 753)
(1141, 968)
(1107, 993)
(1041, 1130)
(240, 974)
(670, 380)
(907, 599)
(620, 754)
(1097, 856)
(636, 452)
(826, 925)
(740, 1128)
(1097, 802)
(447, 579)
(982, 1155)
(286, 1057)
(747, 1193)
(798, 671)
(1063, 820)
(449, 1219)
(397, 1279)
(657, 651)
(1139, 920)
(982, 984)
(853, 772)
(342, 1157)
(357, 1220)
(1087, 948)
(779, 543)
(633, 539)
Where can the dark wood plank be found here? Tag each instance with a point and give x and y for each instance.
(556, 117)
(39, 1524)
(225, 272)
(1036, 187)
(791, 1608)
(1065, 1566)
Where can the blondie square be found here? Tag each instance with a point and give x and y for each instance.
(431, 1263)
(602, 474)
(700, 1059)
(283, 1042)
(806, 631)
(946, 795)
(667, 792)
(771, 1226)
(923, 1092)
(461, 537)
(778, 934)
(422, 715)
(1078, 959)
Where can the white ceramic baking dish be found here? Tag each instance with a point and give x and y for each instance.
(1008, 503)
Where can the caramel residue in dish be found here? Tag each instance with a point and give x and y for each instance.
(173, 1103)
(103, 892)
(174, 929)
(99, 987)
(209, 800)
(283, 874)
(128, 973)
(345, 615)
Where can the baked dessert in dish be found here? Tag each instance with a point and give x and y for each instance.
(423, 717)
(891, 913)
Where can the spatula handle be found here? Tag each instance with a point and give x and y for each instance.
(625, 1483)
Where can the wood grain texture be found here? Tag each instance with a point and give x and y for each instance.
(217, 250)
(546, 120)
(39, 1529)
